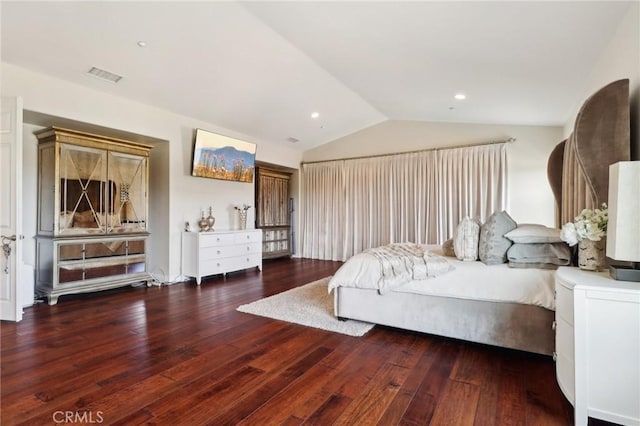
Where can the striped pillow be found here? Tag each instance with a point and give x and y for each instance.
(466, 239)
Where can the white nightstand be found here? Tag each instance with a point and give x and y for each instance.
(598, 345)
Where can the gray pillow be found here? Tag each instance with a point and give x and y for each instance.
(493, 245)
(553, 253)
(533, 233)
(521, 265)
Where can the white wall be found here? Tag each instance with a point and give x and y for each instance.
(529, 193)
(173, 191)
(620, 59)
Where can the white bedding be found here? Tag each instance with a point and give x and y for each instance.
(469, 280)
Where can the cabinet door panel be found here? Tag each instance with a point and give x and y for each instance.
(129, 200)
(84, 190)
(272, 206)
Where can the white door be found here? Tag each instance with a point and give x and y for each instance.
(10, 207)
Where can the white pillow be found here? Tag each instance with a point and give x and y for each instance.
(528, 233)
(466, 239)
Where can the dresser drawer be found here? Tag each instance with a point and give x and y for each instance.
(564, 302)
(243, 262)
(565, 359)
(253, 236)
(214, 252)
(214, 240)
(564, 339)
(219, 252)
(565, 374)
(229, 264)
(244, 249)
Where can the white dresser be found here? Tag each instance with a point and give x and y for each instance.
(219, 252)
(598, 345)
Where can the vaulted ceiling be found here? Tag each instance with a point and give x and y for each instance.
(262, 68)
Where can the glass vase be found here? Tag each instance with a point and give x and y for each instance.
(242, 214)
(591, 255)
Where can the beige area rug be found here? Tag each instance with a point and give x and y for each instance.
(309, 305)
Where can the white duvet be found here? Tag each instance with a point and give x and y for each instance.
(469, 280)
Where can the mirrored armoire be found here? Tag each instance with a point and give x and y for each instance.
(93, 207)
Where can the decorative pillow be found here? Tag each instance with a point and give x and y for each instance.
(493, 246)
(521, 265)
(84, 220)
(531, 233)
(447, 248)
(466, 238)
(539, 253)
(66, 220)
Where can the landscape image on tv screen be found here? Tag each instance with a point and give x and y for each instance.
(221, 157)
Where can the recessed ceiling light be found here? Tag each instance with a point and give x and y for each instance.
(315, 114)
(460, 96)
(142, 43)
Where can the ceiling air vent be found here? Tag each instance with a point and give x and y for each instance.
(104, 75)
(293, 140)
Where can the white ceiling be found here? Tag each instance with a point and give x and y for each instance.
(261, 68)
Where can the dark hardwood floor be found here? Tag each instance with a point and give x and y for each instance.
(182, 354)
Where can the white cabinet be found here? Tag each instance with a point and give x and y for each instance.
(598, 345)
(219, 252)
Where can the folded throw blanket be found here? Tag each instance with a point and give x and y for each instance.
(402, 262)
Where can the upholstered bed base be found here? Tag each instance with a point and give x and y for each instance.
(509, 325)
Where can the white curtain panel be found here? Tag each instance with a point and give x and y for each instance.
(351, 205)
(471, 181)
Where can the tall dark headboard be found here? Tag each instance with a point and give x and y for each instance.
(578, 168)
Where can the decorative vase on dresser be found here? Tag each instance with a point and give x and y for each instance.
(591, 254)
(92, 213)
(598, 345)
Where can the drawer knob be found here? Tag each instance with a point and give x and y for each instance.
(218, 251)
(217, 264)
(248, 236)
(248, 248)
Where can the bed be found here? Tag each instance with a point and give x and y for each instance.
(464, 302)
(495, 304)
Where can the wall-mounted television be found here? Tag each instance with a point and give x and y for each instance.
(221, 157)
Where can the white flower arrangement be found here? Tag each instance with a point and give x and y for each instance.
(244, 207)
(589, 225)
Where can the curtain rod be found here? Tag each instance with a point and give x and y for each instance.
(510, 140)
